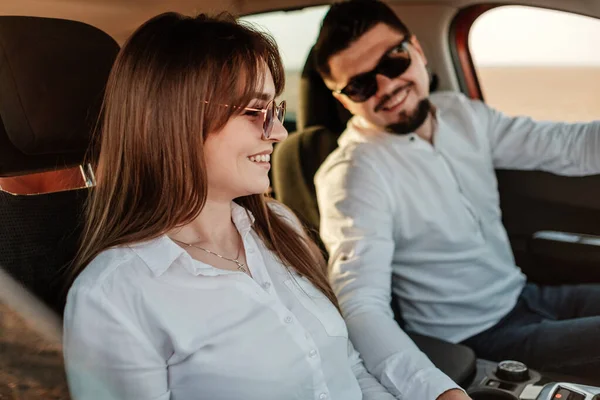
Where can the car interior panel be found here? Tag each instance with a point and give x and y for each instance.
(552, 222)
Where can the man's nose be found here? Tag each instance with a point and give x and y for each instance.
(278, 132)
(384, 85)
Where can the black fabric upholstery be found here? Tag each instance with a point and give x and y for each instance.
(321, 119)
(457, 361)
(38, 238)
(52, 78)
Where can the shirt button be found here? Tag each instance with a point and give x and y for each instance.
(288, 319)
(323, 396)
(266, 285)
(412, 139)
(251, 250)
(312, 353)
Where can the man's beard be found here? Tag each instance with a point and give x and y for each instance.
(413, 121)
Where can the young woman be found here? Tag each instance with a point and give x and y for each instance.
(190, 283)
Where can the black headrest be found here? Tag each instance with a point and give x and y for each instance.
(317, 106)
(52, 78)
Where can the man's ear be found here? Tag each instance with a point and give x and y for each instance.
(342, 99)
(415, 42)
(346, 102)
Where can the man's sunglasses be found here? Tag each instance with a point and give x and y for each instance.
(393, 63)
(270, 112)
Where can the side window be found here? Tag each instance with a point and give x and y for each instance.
(538, 62)
(295, 33)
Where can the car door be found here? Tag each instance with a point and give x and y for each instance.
(525, 60)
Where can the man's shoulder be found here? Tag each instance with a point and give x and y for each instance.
(347, 156)
(357, 143)
(449, 99)
(456, 102)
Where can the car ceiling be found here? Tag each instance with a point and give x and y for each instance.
(119, 18)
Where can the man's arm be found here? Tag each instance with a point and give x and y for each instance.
(357, 228)
(369, 386)
(571, 149)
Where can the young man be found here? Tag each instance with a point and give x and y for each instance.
(409, 202)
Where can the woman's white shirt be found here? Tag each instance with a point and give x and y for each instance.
(147, 321)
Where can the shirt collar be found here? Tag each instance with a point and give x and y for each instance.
(160, 253)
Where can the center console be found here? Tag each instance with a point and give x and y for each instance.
(512, 380)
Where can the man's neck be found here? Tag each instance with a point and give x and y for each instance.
(425, 131)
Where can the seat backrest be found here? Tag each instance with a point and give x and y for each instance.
(295, 162)
(321, 119)
(52, 78)
(316, 104)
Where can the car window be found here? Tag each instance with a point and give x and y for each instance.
(538, 62)
(295, 32)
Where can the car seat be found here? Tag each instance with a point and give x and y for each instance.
(52, 78)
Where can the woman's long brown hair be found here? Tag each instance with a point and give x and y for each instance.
(164, 96)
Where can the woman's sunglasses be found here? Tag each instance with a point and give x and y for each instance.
(393, 63)
(270, 112)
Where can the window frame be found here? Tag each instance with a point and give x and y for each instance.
(458, 43)
(460, 52)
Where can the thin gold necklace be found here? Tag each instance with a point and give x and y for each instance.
(240, 265)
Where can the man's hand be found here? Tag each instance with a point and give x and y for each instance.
(454, 394)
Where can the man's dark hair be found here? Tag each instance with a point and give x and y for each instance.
(347, 21)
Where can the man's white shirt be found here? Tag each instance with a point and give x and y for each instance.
(399, 214)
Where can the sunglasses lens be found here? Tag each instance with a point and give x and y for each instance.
(281, 112)
(361, 89)
(273, 111)
(394, 67)
(268, 124)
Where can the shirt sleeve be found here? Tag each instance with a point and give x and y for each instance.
(357, 228)
(571, 149)
(369, 386)
(106, 356)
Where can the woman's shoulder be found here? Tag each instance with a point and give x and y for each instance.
(113, 264)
